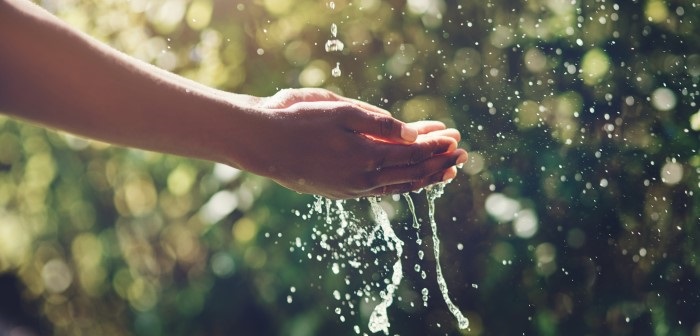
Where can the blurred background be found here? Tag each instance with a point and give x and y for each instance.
(577, 214)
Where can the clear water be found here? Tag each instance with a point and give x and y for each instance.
(434, 193)
(344, 239)
(379, 320)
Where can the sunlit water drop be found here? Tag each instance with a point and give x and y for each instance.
(335, 72)
(334, 30)
(334, 45)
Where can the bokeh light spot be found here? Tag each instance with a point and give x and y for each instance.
(663, 99)
(57, 276)
(594, 66)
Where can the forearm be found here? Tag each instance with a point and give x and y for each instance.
(310, 140)
(55, 76)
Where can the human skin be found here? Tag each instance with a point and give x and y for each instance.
(309, 140)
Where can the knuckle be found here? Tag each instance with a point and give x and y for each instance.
(417, 155)
(379, 162)
(386, 126)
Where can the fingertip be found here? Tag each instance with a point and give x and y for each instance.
(449, 174)
(453, 145)
(427, 126)
(453, 133)
(408, 133)
(462, 158)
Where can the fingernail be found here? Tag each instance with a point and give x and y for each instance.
(409, 134)
(461, 160)
(449, 174)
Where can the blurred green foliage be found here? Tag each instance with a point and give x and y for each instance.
(578, 212)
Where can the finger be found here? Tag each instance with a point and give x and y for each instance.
(381, 126)
(425, 147)
(441, 176)
(420, 171)
(450, 132)
(427, 126)
(361, 104)
(369, 107)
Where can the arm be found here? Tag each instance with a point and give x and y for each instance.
(309, 140)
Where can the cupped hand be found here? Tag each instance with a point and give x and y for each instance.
(314, 141)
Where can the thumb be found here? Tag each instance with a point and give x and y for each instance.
(382, 126)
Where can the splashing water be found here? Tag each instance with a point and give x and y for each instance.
(379, 320)
(416, 225)
(433, 193)
(344, 238)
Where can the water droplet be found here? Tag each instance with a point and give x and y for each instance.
(334, 45)
(334, 30)
(336, 71)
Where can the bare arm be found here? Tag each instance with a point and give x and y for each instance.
(309, 140)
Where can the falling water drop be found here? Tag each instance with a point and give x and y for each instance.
(334, 30)
(334, 45)
(336, 71)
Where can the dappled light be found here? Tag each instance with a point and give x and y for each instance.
(577, 210)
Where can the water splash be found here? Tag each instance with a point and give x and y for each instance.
(379, 320)
(432, 194)
(416, 225)
(344, 239)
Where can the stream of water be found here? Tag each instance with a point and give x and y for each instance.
(433, 193)
(344, 239)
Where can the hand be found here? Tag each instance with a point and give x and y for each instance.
(314, 141)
